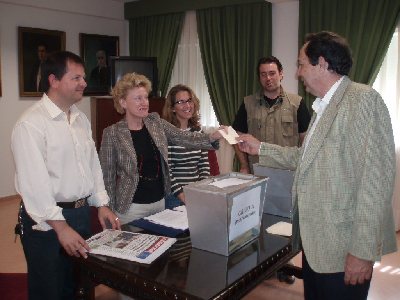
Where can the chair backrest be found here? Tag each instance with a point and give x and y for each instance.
(95, 225)
(213, 161)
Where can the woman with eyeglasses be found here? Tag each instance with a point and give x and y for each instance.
(134, 152)
(181, 109)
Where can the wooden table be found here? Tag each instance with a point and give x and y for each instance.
(184, 272)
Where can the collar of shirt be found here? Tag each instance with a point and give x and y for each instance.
(262, 99)
(55, 111)
(319, 105)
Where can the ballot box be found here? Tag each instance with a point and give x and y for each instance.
(278, 198)
(224, 212)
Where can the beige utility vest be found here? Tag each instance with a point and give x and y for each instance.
(275, 125)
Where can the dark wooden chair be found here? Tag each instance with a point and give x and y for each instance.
(212, 159)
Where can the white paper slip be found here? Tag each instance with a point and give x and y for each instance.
(230, 136)
(280, 228)
(181, 208)
(229, 182)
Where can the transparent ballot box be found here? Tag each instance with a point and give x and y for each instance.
(224, 212)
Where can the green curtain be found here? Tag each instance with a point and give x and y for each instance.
(157, 36)
(368, 26)
(232, 39)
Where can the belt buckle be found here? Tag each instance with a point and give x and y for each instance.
(81, 202)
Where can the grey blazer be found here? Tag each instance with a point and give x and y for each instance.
(119, 162)
(342, 191)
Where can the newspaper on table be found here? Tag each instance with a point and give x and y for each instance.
(139, 247)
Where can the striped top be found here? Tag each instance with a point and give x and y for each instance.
(186, 166)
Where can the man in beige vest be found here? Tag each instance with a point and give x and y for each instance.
(344, 175)
(271, 114)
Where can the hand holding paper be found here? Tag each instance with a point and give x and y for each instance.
(249, 144)
(217, 134)
(230, 136)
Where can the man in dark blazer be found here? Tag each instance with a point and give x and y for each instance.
(344, 175)
(36, 81)
(100, 75)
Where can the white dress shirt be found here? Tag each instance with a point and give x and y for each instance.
(319, 106)
(56, 161)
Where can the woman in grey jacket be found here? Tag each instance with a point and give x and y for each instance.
(134, 151)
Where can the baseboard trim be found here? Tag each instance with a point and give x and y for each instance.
(11, 198)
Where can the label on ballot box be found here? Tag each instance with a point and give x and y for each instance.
(245, 212)
(224, 212)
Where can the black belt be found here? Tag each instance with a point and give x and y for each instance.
(74, 204)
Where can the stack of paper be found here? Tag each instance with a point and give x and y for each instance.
(176, 218)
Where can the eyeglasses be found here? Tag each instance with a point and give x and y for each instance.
(181, 102)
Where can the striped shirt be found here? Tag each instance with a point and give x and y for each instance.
(186, 166)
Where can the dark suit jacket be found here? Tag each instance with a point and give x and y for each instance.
(30, 85)
(100, 78)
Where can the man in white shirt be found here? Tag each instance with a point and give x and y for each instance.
(58, 176)
(344, 175)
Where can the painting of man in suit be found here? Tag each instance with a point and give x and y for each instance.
(37, 82)
(96, 51)
(100, 75)
(344, 174)
(35, 45)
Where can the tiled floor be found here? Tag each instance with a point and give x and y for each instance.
(385, 281)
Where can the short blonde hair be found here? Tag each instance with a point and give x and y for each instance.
(125, 84)
(168, 113)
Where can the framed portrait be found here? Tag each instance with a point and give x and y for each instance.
(0, 76)
(34, 45)
(96, 51)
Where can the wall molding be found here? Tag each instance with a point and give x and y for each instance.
(159, 7)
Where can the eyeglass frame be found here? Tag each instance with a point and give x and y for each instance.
(181, 102)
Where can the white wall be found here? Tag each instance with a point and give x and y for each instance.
(285, 21)
(73, 17)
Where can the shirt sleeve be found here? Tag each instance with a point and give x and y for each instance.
(99, 196)
(188, 139)
(240, 122)
(303, 117)
(32, 178)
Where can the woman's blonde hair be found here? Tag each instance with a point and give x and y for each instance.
(125, 84)
(169, 114)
